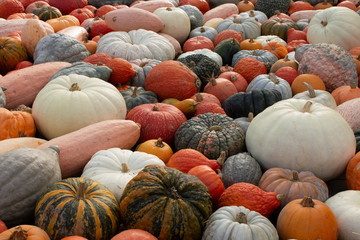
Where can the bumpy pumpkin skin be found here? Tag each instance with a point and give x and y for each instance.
(167, 203)
(211, 134)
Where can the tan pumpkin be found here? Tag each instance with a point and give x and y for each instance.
(31, 34)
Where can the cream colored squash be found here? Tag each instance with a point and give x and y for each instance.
(136, 44)
(346, 207)
(338, 25)
(319, 96)
(300, 135)
(20, 142)
(115, 167)
(71, 102)
(177, 22)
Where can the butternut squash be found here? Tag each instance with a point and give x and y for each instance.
(31, 34)
(24, 84)
(20, 142)
(77, 148)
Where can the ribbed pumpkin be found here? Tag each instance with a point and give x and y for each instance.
(167, 203)
(24, 232)
(211, 134)
(78, 206)
(345, 93)
(278, 26)
(263, 56)
(135, 96)
(11, 53)
(2, 97)
(246, 26)
(47, 12)
(227, 48)
(278, 49)
(198, 42)
(122, 71)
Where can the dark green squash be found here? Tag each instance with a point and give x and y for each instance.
(269, 7)
(241, 167)
(264, 56)
(357, 137)
(210, 134)
(226, 49)
(167, 203)
(255, 101)
(47, 12)
(86, 69)
(78, 206)
(2, 97)
(135, 96)
(278, 26)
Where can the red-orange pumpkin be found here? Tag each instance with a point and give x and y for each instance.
(8, 7)
(122, 71)
(134, 234)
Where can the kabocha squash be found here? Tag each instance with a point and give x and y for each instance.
(19, 142)
(297, 150)
(24, 232)
(47, 12)
(11, 53)
(56, 113)
(2, 97)
(77, 206)
(211, 134)
(319, 96)
(226, 49)
(19, 188)
(255, 101)
(135, 96)
(307, 218)
(167, 203)
(230, 222)
(115, 167)
(156, 147)
(278, 26)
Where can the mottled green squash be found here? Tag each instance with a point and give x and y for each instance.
(86, 69)
(47, 12)
(278, 26)
(226, 49)
(135, 96)
(357, 137)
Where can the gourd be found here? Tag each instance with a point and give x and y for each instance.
(349, 112)
(56, 113)
(135, 96)
(156, 147)
(31, 34)
(19, 194)
(298, 145)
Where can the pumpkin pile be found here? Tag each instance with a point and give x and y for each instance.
(179, 119)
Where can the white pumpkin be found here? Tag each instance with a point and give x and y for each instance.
(346, 207)
(319, 96)
(233, 223)
(177, 22)
(115, 167)
(136, 44)
(265, 39)
(68, 103)
(337, 25)
(300, 135)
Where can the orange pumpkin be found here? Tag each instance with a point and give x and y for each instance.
(245, 5)
(74, 238)
(236, 78)
(22, 16)
(250, 44)
(101, 11)
(305, 219)
(16, 124)
(82, 14)
(347, 4)
(90, 45)
(314, 81)
(158, 148)
(227, 34)
(278, 49)
(198, 42)
(345, 93)
(98, 58)
(323, 5)
(250, 68)
(222, 88)
(11, 53)
(63, 22)
(134, 234)
(24, 232)
(353, 173)
(299, 6)
(8, 7)
(122, 71)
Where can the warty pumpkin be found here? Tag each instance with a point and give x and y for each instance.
(11, 53)
(24, 232)
(8, 7)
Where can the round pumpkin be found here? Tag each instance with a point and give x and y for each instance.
(134, 234)
(314, 81)
(11, 53)
(349, 111)
(24, 232)
(346, 93)
(156, 147)
(135, 96)
(142, 67)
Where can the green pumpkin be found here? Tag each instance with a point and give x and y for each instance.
(78, 206)
(86, 69)
(167, 203)
(278, 26)
(255, 101)
(226, 49)
(135, 96)
(47, 12)
(210, 134)
(2, 97)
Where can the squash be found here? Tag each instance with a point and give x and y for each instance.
(153, 196)
(222, 11)
(198, 42)
(82, 14)
(258, 16)
(278, 49)
(67, 6)
(207, 52)
(156, 147)
(8, 7)
(261, 55)
(142, 67)
(195, 15)
(297, 150)
(151, 6)
(244, 122)
(63, 22)
(77, 32)
(35, 5)
(300, 219)
(77, 206)
(11, 53)
(134, 234)
(265, 39)
(349, 112)
(298, 86)
(346, 93)
(250, 67)
(221, 36)
(227, 49)
(204, 31)
(19, 142)
(135, 96)
(187, 106)
(236, 78)
(24, 232)
(19, 193)
(9, 26)
(47, 12)
(222, 88)
(34, 77)
(229, 222)
(55, 112)
(115, 167)
(211, 134)
(278, 26)
(122, 71)
(2, 96)
(31, 34)
(248, 27)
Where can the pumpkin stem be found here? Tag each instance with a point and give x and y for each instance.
(307, 202)
(74, 87)
(277, 12)
(202, 30)
(295, 176)
(143, 64)
(307, 107)
(251, 40)
(213, 81)
(22, 108)
(215, 128)
(173, 193)
(192, 64)
(81, 191)
(125, 168)
(251, 13)
(250, 116)
(310, 89)
(280, 197)
(3, 88)
(199, 97)
(18, 234)
(221, 158)
(155, 108)
(324, 23)
(134, 92)
(241, 218)
(168, 9)
(353, 85)
(237, 20)
(273, 78)
(159, 143)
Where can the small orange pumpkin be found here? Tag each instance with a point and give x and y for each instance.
(90, 45)
(158, 148)
(250, 44)
(323, 5)
(345, 93)
(245, 5)
(24, 232)
(278, 49)
(122, 70)
(134, 234)
(353, 173)
(314, 81)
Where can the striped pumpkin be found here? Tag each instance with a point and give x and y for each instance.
(167, 203)
(11, 53)
(78, 206)
(47, 12)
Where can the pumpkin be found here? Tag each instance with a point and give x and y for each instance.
(202, 97)
(3, 226)
(134, 234)
(211, 54)
(349, 112)
(35, 5)
(16, 124)
(97, 3)
(206, 132)
(278, 49)
(249, 68)
(12, 25)
(142, 67)
(97, 27)
(248, 27)
(339, 64)
(278, 26)
(255, 101)
(321, 27)
(250, 44)
(11, 52)
(23, 15)
(240, 167)
(194, 13)
(8, 7)
(85, 69)
(156, 147)
(24, 232)
(74, 237)
(202, 5)
(226, 49)
(236, 78)
(357, 137)
(19, 194)
(204, 31)
(227, 34)
(344, 204)
(298, 150)
(198, 42)
(77, 206)
(115, 167)
(19, 142)
(345, 93)
(47, 12)
(230, 222)
(223, 10)
(82, 14)
(136, 44)
(250, 196)
(222, 88)
(319, 96)
(153, 196)
(298, 86)
(135, 96)
(2, 96)
(258, 16)
(244, 122)
(261, 55)
(300, 219)
(55, 117)
(121, 72)
(98, 58)
(285, 62)
(67, 6)
(265, 39)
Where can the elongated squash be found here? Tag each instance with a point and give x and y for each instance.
(77, 32)
(77, 148)
(23, 85)
(20, 142)
(12, 25)
(31, 34)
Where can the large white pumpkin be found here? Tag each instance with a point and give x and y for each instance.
(71, 102)
(346, 207)
(337, 25)
(115, 167)
(286, 135)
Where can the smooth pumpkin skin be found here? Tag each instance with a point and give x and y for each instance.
(353, 173)
(345, 93)
(16, 124)
(13, 143)
(158, 148)
(74, 238)
(30, 232)
(134, 234)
